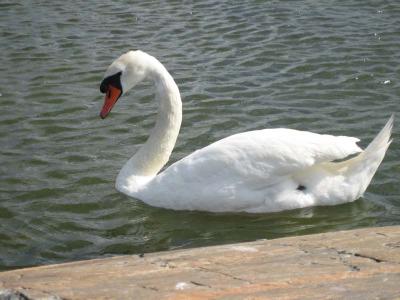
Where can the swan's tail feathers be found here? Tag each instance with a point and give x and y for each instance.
(364, 166)
(382, 141)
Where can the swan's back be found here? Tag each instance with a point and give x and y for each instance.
(246, 171)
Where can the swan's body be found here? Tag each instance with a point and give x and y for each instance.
(257, 171)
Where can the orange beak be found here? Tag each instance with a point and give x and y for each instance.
(110, 99)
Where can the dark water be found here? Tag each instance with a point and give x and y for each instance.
(301, 64)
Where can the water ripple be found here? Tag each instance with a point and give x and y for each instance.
(240, 66)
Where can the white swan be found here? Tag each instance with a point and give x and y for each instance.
(257, 171)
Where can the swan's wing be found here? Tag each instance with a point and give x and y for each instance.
(242, 170)
(266, 153)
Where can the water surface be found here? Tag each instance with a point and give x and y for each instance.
(240, 66)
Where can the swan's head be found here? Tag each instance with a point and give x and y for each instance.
(121, 76)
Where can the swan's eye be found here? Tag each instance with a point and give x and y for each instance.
(114, 80)
(103, 88)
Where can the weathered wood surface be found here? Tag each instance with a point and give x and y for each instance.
(358, 264)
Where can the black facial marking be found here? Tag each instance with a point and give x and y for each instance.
(114, 80)
(301, 187)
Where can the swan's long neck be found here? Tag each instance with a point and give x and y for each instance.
(155, 153)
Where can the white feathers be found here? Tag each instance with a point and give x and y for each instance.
(252, 171)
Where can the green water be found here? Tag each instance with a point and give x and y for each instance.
(306, 65)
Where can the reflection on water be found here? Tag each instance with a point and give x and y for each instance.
(239, 66)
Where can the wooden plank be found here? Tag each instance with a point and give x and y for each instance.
(357, 264)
